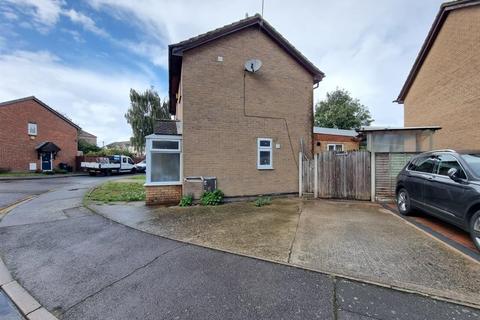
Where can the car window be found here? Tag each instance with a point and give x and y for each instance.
(473, 161)
(423, 164)
(124, 160)
(447, 162)
(130, 161)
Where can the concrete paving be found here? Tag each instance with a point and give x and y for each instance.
(87, 267)
(355, 239)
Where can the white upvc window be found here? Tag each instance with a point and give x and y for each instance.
(32, 129)
(264, 154)
(334, 147)
(164, 160)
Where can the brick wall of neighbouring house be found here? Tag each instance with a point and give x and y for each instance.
(446, 91)
(349, 143)
(218, 139)
(17, 149)
(163, 194)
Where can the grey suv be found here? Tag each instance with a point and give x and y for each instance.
(446, 184)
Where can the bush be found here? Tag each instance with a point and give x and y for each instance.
(5, 170)
(58, 170)
(109, 152)
(212, 198)
(263, 201)
(186, 201)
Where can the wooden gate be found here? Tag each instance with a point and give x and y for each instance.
(338, 175)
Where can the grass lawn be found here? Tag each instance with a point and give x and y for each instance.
(20, 174)
(124, 190)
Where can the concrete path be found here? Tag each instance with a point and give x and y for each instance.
(83, 266)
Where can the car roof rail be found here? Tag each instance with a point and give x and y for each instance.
(443, 150)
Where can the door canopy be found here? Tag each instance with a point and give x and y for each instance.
(47, 147)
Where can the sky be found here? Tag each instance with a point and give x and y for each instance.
(82, 57)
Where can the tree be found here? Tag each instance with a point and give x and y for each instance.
(87, 147)
(339, 110)
(144, 109)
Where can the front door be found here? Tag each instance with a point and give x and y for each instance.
(47, 161)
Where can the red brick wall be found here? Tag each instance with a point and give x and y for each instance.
(163, 194)
(17, 149)
(349, 143)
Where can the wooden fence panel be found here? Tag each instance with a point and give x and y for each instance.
(342, 175)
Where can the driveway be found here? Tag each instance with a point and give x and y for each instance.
(359, 240)
(80, 265)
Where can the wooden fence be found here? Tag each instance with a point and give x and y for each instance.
(337, 175)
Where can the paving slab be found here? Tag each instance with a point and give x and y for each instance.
(5, 276)
(8, 310)
(24, 301)
(41, 314)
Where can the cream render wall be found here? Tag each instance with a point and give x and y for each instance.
(218, 139)
(446, 91)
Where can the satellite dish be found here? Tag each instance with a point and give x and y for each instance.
(253, 65)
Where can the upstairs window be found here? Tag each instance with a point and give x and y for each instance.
(32, 129)
(264, 153)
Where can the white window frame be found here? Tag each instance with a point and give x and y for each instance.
(150, 150)
(335, 146)
(32, 129)
(269, 149)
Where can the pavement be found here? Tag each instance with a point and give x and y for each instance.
(84, 266)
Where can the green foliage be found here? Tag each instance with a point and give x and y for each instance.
(104, 152)
(118, 191)
(339, 110)
(58, 170)
(5, 170)
(144, 109)
(87, 147)
(212, 198)
(186, 201)
(263, 201)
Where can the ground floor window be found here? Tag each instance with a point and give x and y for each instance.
(264, 153)
(334, 147)
(164, 160)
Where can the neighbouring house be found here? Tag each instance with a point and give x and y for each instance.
(330, 139)
(443, 87)
(243, 123)
(33, 136)
(86, 136)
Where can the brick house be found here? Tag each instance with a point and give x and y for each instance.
(244, 128)
(443, 87)
(33, 136)
(329, 139)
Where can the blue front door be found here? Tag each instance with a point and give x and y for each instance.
(46, 161)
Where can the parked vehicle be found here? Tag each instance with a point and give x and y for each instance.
(445, 184)
(141, 166)
(108, 165)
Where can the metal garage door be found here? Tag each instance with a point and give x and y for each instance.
(387, 167)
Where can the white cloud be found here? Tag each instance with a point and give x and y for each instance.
(96, 100)
(86, 22)
(45, 12)
(367, 46)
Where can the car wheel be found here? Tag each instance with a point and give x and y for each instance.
(475, 229)
(403, 202)
(134, 170)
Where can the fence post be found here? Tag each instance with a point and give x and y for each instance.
(372, 176)
(315, 176)
(300, 174)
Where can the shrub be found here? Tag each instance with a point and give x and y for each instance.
(212, 198)
(5, 170)
(186, 201)
(263, 201)
(58, 170)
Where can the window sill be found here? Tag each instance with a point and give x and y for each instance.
(166, 183)
(264, 168)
